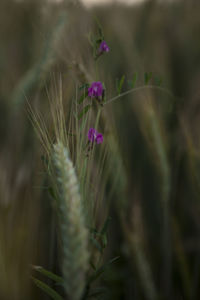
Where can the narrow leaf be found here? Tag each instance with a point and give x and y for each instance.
(49, 291)
(84, 111)
(135, 77)
(93, 266)
(105, 225)
(119, 86)
(147, 77)
(102, 269)
(48, 274)
(82, 98)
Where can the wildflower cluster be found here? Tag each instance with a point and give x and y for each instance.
(94, 136)
(96, 91)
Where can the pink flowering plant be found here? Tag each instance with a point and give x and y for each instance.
(95, 136)
(98, 42)
(87, 135)
(95, 91)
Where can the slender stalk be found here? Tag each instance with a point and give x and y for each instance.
(144, 87)
(165, 197)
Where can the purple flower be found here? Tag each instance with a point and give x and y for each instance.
(99, 138)
(103, 47)
(95, 90)
(94, 136)
(92, 133)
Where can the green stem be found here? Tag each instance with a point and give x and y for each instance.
(96, 71)
(139, 89)
(98, 117)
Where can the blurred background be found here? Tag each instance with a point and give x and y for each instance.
(158, 152)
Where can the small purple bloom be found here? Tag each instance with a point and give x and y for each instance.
(95, 90)
(103, 47)
(94, 136)
(92, 133)
(99, 138)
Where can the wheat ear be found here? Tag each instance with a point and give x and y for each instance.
(74, 234)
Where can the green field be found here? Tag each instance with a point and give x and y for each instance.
(115, 215)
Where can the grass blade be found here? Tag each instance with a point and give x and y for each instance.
(48, 274)
(49, 291)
